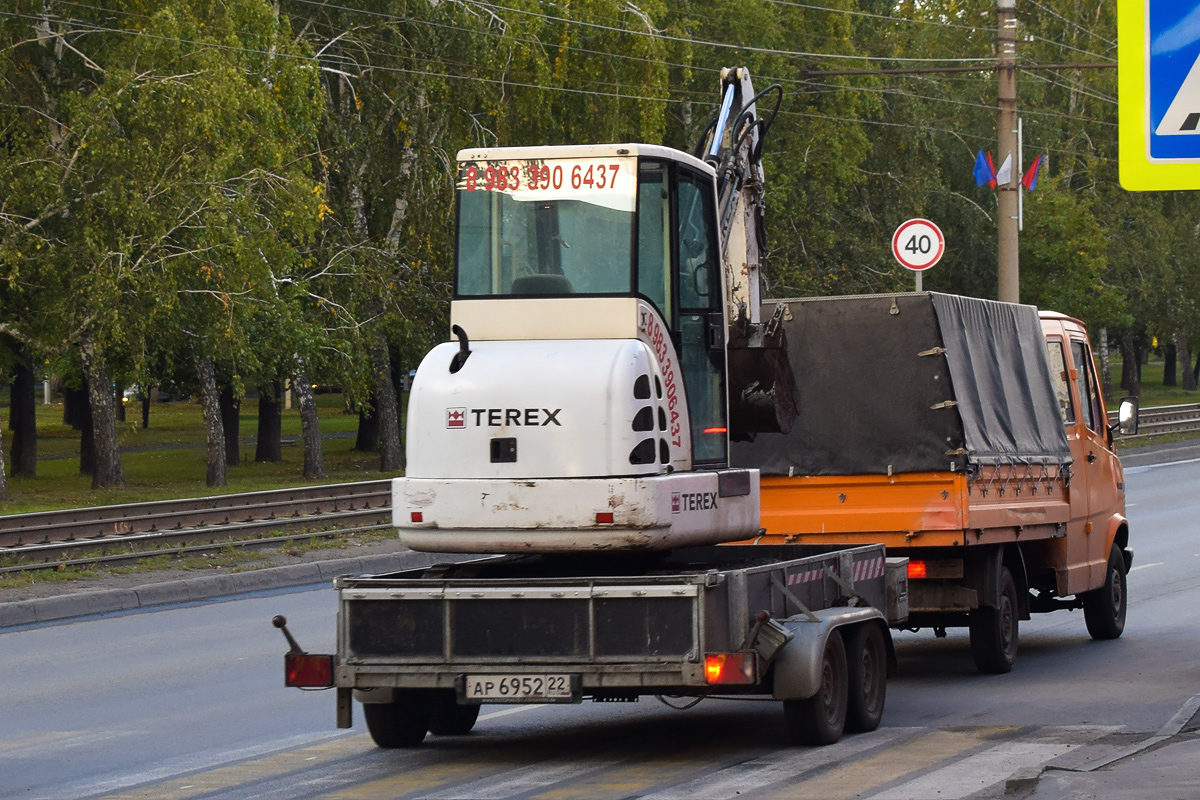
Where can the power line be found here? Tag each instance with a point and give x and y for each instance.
(1073, 24)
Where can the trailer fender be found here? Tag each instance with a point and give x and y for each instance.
(798, 665)
(377, 695)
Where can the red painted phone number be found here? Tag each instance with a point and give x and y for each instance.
(508, 178)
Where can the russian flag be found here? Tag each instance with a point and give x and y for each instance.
(984, 171)
(1031, 176)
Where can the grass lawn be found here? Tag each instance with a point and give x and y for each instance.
(167, 459)
(1153, 393)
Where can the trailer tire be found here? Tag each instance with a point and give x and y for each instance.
(820, 719)
(866, 656)
(994, 634)
(402, 722)
(448, 718)
(1104, 608)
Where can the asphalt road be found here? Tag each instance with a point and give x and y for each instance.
(188, 702)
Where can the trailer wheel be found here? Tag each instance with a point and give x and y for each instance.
(866, 658)
(451, 719)
(1104, 608)
(994, 630)
(402, 722)
(821, 718)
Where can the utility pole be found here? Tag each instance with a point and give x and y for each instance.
(1008, 194)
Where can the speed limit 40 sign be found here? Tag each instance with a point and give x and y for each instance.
(918, 244)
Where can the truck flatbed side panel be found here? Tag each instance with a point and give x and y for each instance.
(825, 504)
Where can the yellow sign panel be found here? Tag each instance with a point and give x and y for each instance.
(1159, 65)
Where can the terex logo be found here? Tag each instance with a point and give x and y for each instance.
(456, 417)
(528, 417)
(693, 501)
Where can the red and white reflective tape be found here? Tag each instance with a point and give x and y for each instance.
(805, 577)
(866, 570)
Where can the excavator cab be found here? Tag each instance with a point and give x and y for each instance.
(566, 223)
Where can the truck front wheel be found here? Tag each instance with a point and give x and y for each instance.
(402, 722)
(821, 718)
(867, 671)
(451, 719)
(994, 630)
(1104, 608)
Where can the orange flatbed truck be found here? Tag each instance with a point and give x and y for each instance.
(967, 435)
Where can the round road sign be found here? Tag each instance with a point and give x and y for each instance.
(918, 244)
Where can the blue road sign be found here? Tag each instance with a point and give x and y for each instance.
(1158, 55)
(1173, 37)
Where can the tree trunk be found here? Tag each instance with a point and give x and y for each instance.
(231, 420)
(75, 407)
(146, 409)
(1130, 373)
(87, 441)
(1196, 371)
(119, 404)
(1185, 358)
(23, 421)
(214, 433)
(385, 406)
(3, 479)
(367, 439)
(270, 424)
(310, 424)
(108, 471)
(399, 382)
(1105, 366)
(1169, 366)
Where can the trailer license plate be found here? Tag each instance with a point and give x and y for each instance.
(518, 688)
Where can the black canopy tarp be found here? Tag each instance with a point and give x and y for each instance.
(912, 383)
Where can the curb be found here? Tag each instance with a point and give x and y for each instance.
(188, 590)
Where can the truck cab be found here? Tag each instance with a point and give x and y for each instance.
(1096, 495)
(584, 404)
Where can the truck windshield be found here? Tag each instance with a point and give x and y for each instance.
(546, 227)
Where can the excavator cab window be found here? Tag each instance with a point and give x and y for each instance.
(536, 227)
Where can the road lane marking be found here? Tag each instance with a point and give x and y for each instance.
(890, 765)
(224, 777)
(757, 773)
(1147, 566)
(995, 764)
(526, 779)
(411, 780)
(507, 711)
(634, 780)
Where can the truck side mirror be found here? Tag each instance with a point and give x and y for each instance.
(1127, 417)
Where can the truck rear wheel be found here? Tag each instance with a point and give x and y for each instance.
(1104, 608)
(867, 678)
(451, 719)
(821, 718)
(402, 722)
(994, 630)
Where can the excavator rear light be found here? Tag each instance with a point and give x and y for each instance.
(917, 569)
(308, 670)
(729, 668)
(604, 518)
(417, 516)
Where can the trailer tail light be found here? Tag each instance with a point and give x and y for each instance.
(917, 569)
(729, 668)
(416, 517)
(308, 670)
(604, 517)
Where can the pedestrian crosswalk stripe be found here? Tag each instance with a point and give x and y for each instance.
(988, 767)
(779, 766)
(893, 763)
